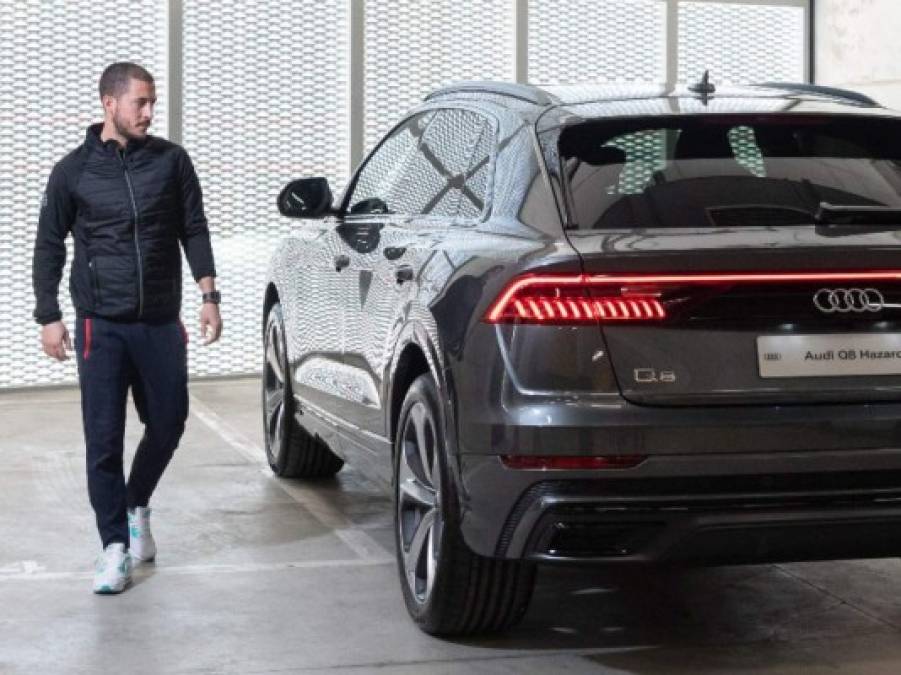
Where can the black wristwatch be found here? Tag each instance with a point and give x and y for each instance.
(213, 297)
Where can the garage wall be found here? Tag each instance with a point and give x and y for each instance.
(263, 91)
(593, 41)
(265, 97)
(742, 42)
(412, 47)
(49, 68)
(858, 46)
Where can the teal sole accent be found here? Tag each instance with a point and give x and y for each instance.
(106, 590)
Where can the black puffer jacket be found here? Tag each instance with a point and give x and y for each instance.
(128, 210)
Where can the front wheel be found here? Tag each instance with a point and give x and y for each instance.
(448, 589)
(291, 451)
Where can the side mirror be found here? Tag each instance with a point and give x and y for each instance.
(306, 198)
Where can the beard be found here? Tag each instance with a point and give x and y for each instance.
(124, 131)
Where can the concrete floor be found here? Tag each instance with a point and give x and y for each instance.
(259, 575)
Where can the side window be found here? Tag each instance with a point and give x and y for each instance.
(474, 195)
(443, 174)
(436, 181)
(376, 187)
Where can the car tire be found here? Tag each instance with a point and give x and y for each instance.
(448, 589)
(291, 450)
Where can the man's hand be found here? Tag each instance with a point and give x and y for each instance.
(55, 340)
(210, 319)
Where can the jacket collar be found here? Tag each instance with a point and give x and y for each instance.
(92, 138)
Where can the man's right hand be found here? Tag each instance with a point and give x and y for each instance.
(55, 340)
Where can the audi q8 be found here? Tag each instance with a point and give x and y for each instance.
(611, 325)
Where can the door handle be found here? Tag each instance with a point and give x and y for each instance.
(403, 273)
(341, 261)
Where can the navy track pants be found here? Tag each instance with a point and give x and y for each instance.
(151, 360)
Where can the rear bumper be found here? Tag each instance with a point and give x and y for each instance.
(692, 509)
(608, 424)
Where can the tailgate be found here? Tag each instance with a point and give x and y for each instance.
(746, 323)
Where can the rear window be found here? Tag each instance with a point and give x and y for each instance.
(726, 170)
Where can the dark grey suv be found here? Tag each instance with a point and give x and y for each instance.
(610, 325)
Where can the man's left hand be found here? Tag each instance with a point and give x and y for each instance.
(210, 323)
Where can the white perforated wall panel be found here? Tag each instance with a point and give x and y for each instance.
(590, 41)
(741, 43)
(414, 47)
(265, 101)
(51, 57)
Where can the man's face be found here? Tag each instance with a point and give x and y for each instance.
(132, 112)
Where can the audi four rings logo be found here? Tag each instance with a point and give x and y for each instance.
(845, 300)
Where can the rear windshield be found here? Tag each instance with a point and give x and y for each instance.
(726, 171)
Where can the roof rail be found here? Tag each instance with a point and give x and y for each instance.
(522, 92)
(835, 92)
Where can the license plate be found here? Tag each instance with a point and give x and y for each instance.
(829, 355)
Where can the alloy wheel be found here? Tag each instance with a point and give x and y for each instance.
(274, 387)
(420, 521)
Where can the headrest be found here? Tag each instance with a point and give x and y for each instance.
(603, 156)
(704, 143)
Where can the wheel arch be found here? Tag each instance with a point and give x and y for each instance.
(415, 355)
(411, 364)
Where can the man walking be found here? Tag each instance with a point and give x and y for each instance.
(129, 199)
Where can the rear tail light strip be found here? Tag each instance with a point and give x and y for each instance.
(584, 309)
(753, 278)
(582, 298)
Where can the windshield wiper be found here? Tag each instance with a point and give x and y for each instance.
(849, 214)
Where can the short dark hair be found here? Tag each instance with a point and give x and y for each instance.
(115, 77)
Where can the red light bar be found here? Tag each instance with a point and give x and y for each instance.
(753, 278)
(571, 462)
(535, 282)
(583, 298)
(574, 310)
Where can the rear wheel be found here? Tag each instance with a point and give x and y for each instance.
(448, 589)
(292, 452)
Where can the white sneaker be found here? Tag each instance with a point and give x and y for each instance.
(143, 548)
(112, 571)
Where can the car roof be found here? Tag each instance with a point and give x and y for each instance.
(564, 104)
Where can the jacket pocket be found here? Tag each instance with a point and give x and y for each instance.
(115, 280)
(162, 278)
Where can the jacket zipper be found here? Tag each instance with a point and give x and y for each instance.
(134, 206)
